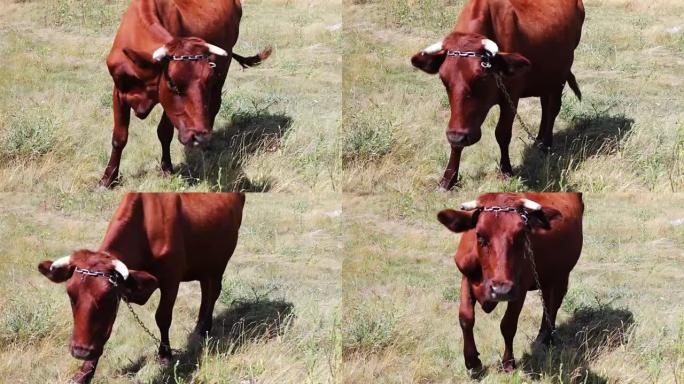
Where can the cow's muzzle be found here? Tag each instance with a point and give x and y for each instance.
(461, 139)
(499, 290)
(84, 352)
(195, 139)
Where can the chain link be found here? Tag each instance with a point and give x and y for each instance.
(143, 326)
(192, 58)
(529, 254)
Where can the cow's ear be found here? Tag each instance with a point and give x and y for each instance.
(139, 286)
(142, 60)
(458, 221)
(56, 275)
(543, 218)
(511, 64)
(428, 62)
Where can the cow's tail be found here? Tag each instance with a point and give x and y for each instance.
(572, 82)
(253, 61)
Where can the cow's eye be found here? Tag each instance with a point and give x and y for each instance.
(72, 299)
(173, 87)
(482, 240)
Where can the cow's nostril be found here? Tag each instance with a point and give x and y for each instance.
(201, 139)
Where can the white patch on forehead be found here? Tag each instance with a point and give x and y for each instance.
(434, 48)
(469, 205)
(490, 46)
(160, 53)
(120, 267)
(531, 205)
(61, 262)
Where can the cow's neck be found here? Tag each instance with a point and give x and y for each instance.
(126, 240)
(476, 17)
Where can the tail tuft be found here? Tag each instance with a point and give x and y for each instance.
(253, 61)
(572, 82)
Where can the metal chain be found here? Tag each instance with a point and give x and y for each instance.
(192, 58)
(529, 254)
(514, 108)
(143, 326)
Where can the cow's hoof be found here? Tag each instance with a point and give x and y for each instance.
(441, 189)
(166, 170)
(165, 360)
(509, 365)
(473, 364)
(81, 378)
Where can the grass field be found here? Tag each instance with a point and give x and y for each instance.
(277, 128)
(622, 320)
(626, 135)
(284, 276)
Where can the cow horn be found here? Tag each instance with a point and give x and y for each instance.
(531, 205)
(490, 46)
(160, 53)
(216, 50)
(469, 205)
(61, 262)
(434, 48)
(120, 267)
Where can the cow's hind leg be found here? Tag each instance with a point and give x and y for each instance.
(509, 326)
(163, 317)
(553, 298)
(211, 289)
(503, 136)
(466, 318)
(122, 117)
(165, 135)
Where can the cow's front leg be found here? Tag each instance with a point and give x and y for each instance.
(466, 318)
(509, 325)
(163, 317)
(504, 129)
(86, 373)
(122, 117)
(551, 105)
(165, 135)
(451, 173)
(553, 297)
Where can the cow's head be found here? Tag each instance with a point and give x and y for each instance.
(501, 224)
(95, 283)
(187, 77)
(466, 63)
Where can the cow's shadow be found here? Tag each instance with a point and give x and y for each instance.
(221, 163)
(588, 334)
(243, 323)
(587, 136)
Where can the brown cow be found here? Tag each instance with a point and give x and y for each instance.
(498, 263)
(153, 240)
(177, 53)
(529, 45)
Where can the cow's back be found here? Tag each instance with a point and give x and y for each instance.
(176, 236)
(544, 31)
